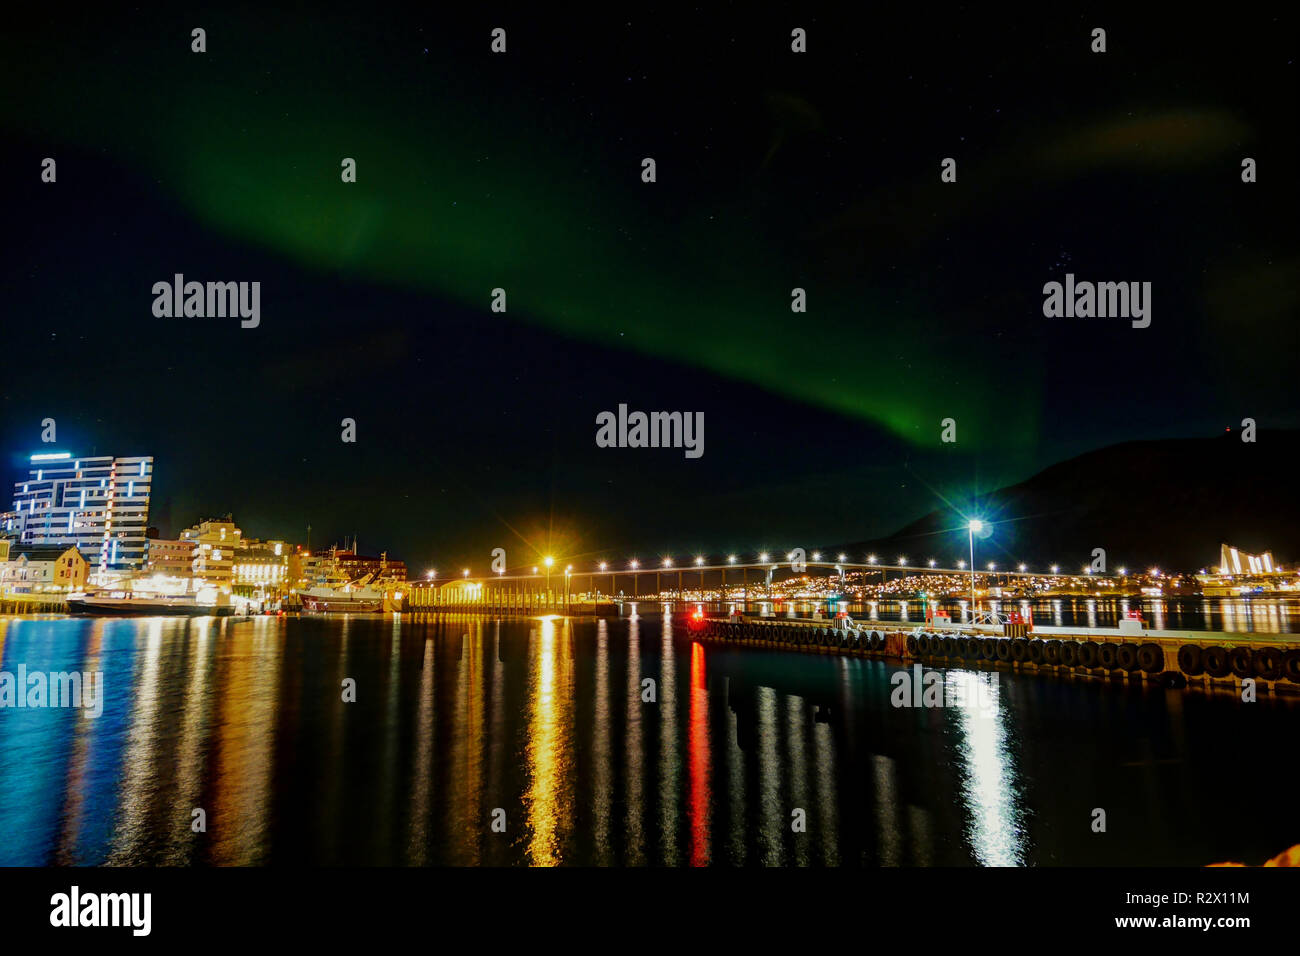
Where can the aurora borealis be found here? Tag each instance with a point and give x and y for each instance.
(521, 171)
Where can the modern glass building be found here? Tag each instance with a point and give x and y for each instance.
(99, 504)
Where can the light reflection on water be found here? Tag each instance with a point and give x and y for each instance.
(548, 728)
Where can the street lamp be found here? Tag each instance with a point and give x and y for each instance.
(548, 561)
(731, 559)
(975, 525)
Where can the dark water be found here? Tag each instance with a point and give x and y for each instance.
(545, 720)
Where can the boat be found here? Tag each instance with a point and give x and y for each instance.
(346, 599)
(161, 605)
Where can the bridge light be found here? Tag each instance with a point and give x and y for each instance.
(763, 556)
(699, 560)
(634, 565)
(842, 558)
(602, 565)
(731, 559)
(668, 562)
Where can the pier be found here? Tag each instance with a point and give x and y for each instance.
(1170, 658)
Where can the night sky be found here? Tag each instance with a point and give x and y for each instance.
(523, 171)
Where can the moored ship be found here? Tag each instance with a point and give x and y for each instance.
(138, 605)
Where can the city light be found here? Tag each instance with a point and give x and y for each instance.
(1055, 568)
(1123, 571)
(430, 575)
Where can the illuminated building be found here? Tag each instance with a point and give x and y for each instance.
(215, 541)
(98, 505)
(33, 569)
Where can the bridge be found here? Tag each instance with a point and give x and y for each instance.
(567, 589)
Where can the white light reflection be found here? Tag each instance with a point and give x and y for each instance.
(995, 830)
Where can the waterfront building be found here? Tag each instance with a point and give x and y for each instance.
(262, 568)
(170, 557)
(98, 504)
(214, 542)
(336, 565)
(36, 569)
